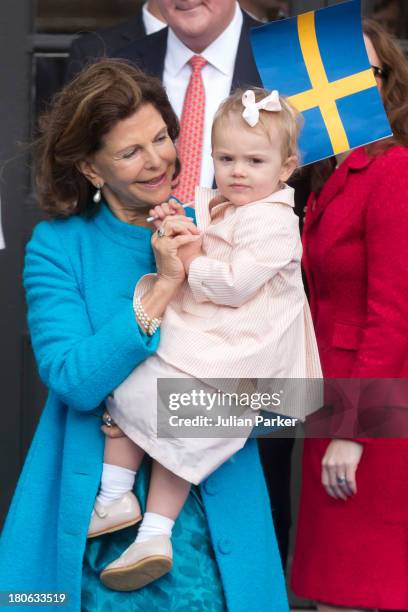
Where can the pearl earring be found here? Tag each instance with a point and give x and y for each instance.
(97, 195)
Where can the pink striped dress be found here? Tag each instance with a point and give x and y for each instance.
(242, 314)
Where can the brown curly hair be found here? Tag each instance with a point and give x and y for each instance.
(80, 115)
(394, 94)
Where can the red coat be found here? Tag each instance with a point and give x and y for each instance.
(355, 553)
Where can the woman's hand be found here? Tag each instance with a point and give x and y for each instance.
(339, 466)
(177, 231)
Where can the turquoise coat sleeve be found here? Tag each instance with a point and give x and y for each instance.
(81, 365)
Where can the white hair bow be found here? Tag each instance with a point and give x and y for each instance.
(252, 108)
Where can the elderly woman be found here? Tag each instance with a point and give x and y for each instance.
(105, 158)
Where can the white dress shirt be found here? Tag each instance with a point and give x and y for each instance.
(217, 78)
(151, 23)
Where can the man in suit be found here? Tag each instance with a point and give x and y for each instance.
(147, 20)
(219, 32)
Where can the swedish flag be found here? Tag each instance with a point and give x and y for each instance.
(319, 61)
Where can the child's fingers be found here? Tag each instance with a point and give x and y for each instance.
(181, 240)
(157, 212)
(167, 209)
(157, 216)
(162, 210)
(176, 208)
(186, 222)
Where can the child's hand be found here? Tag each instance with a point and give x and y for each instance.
(167, 209)
(219, 199)
(188, 252)
(111, 430)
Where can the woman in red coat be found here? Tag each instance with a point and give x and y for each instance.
(352, 541)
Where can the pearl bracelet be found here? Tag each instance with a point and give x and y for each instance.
(150, 326)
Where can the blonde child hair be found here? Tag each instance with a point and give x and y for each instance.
(289, 120)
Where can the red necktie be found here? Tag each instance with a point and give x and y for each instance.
(190, 143)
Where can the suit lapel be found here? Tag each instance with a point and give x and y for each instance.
(133, 29)
(154, 52)
(245, 70)
(148, 53)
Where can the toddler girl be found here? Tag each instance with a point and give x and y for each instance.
(241, 313)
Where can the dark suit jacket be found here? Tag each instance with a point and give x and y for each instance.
(104, 42)
(149, 53)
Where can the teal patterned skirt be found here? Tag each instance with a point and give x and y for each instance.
(193, 585)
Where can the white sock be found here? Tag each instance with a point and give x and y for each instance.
(115, 482)
(154, 525)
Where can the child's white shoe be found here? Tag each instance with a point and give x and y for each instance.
(119, 514)
(139, 565)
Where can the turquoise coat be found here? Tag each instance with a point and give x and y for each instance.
(79, 277)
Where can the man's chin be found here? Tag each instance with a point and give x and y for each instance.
(192, 25)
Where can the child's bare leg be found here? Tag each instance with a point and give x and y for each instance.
(167, 494)
(122, 458)
(123, 452)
